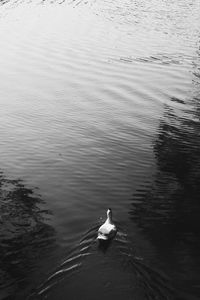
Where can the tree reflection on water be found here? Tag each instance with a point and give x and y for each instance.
(168, 211)
(24, 236)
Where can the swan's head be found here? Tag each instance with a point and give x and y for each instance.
(109, 213)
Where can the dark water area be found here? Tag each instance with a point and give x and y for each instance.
(100, 107)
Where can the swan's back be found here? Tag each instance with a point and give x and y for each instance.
(108, 229)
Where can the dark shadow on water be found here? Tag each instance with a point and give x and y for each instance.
(90, 259)
(24, 236)
(168, 211)
(104, 245)
(71, 265)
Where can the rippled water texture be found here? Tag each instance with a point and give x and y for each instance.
(100, 107)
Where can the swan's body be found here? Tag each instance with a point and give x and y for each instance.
(108, 229)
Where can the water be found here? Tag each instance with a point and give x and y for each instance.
(99, 108)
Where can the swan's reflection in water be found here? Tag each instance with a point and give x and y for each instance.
(104, 245)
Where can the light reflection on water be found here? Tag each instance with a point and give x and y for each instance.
(99, 107)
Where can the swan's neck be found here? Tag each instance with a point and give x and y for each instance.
(109, 217)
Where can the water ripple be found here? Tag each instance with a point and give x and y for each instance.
(99, 100)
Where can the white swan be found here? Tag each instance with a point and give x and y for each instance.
(108, 229)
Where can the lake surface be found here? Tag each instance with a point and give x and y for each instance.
(99, 107)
